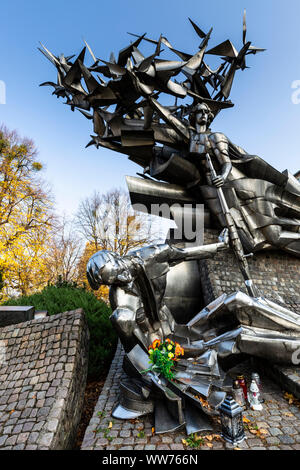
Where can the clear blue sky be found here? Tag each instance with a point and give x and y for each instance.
(264, 120)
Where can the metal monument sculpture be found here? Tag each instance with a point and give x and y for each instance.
(155, 290)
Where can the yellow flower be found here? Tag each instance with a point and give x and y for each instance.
(170, 347)
(171, 355)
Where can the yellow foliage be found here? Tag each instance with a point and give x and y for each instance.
(25, 216)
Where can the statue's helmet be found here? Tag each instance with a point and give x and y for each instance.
(103, 268)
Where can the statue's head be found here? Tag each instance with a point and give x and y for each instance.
(201, 115)
(107, 268)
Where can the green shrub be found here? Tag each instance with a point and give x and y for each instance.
(103, 338)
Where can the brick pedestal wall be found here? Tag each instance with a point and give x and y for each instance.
(275, 273)
(43, 369)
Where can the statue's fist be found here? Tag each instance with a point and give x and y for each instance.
(218, 181)
(224, 237)
(92, 273)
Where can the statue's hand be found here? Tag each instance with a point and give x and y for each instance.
(218, 181)
(92, 274)
(224, 237)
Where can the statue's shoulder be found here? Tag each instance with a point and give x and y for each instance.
(192, 131)
(218, 137)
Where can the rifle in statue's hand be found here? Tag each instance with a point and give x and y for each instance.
(234, 236)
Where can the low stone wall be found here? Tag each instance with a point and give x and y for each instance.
(276, 274)
(288, 377)
(11, 315)
(43, 369)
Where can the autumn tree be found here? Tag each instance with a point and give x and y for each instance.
(64, 253)
(108, 222)
(26, 215)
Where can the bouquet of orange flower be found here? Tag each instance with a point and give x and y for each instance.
(163, 355)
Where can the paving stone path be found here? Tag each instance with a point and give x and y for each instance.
(277, 427)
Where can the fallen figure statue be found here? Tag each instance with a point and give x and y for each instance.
(232, 324)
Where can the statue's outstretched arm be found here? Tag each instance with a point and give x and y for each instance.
(203, 251)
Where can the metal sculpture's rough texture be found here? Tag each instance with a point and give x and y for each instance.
(155, 291)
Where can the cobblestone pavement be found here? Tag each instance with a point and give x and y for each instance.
(277, 427)
(43, 366)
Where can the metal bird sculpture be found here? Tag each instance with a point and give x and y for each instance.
(115, 94)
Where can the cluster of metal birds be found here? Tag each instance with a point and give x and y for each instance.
(109, 91)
